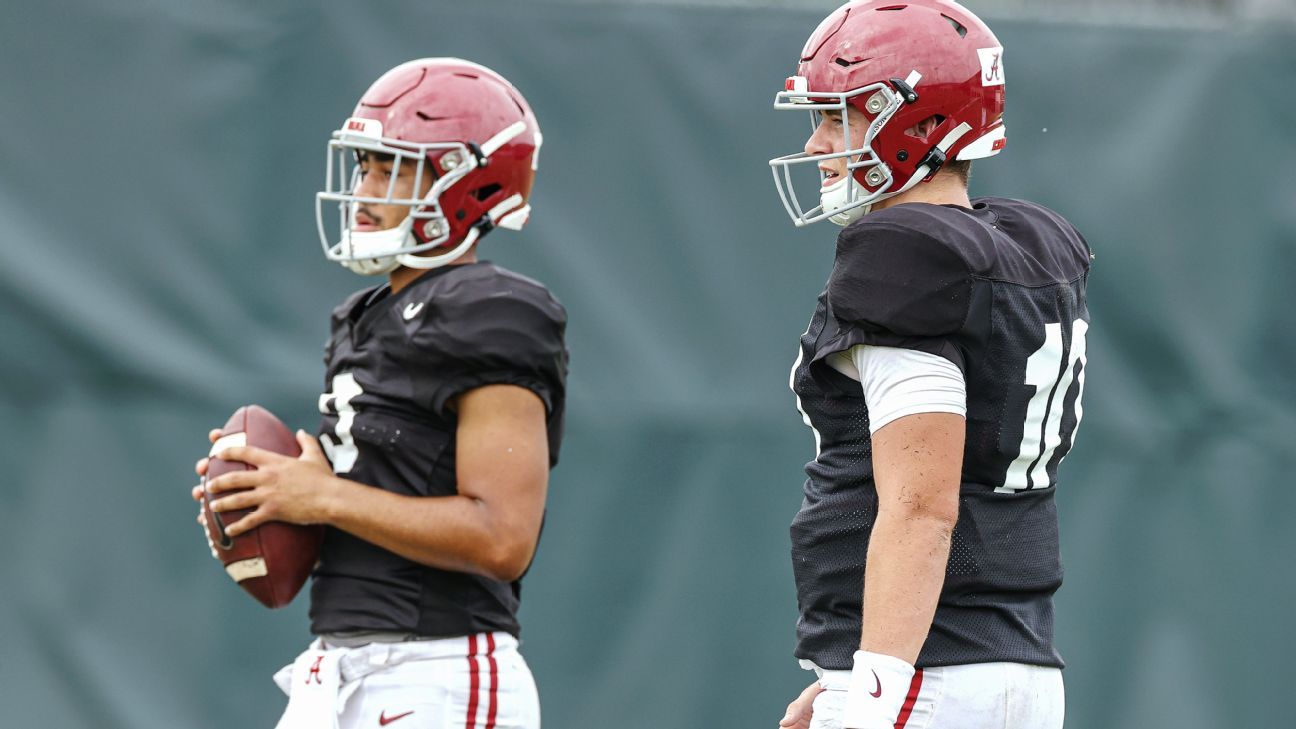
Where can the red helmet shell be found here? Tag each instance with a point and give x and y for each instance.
(451, 100)
(958, 57)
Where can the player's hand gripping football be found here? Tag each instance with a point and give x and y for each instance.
(801, 710)
(294, 490)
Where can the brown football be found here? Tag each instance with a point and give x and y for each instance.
(273, 561)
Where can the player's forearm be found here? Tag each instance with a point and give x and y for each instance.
(908, 553)
(448, 532)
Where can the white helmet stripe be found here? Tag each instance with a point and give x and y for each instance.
(987, 145)
(499, 140)
(516, 219)
(508, 204)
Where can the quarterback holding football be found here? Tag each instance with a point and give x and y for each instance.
(442, 415)
(941, 373)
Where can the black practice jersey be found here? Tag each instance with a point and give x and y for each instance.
(999, 290)
(394, 364)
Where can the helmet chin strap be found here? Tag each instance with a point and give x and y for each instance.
(838, 194)
(371, 266)
(368, 247)
(511, 213)
(413, 260)
(368, 251)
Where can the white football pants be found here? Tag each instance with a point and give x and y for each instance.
(473, 682)
(975, 696)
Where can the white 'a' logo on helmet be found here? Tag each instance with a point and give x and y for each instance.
(991, 66)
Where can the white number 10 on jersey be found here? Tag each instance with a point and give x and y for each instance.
(1042, 431)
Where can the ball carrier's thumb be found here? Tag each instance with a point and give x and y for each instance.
(310, 448)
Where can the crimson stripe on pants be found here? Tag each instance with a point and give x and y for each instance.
(915, 686)
(494, 681)
(473, 682)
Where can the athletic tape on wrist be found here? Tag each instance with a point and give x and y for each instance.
(878, 687)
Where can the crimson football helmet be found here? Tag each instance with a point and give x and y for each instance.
(460, 123)
(897, 63)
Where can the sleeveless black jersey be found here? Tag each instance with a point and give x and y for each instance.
(999, 290)
(394, 364)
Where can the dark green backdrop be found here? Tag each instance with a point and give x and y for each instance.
(157, 166)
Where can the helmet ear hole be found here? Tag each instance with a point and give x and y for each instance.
(484, 192)
(922, 131)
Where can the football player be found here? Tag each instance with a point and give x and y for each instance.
(442, 416)
(941, 374)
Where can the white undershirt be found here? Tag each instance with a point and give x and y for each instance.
(899, 382)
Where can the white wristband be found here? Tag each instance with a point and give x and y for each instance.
(878, 687)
